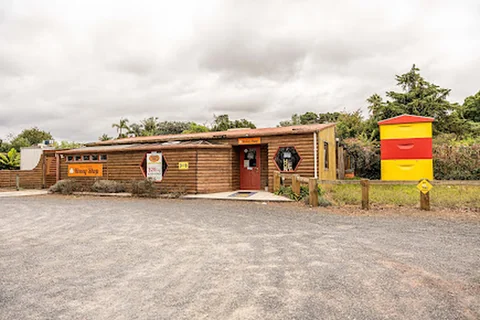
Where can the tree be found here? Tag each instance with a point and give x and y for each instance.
(350, 125)
(67, 145)
(11, 160)
(150, 126)
(471, 108)
(195, 128)
(105, 137)
(135, 129)
(418, 97)
(309, 118)
(30, 137)
(223, 123)
(121, 126)
(172, 127)
(4, 146)
(294, 121)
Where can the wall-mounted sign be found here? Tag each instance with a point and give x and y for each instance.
(249, 140)
(154, 166)
(85, 170)
(183, 166)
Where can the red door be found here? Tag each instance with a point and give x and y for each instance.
(250, 168)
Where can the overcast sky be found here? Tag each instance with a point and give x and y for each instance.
(75, 67)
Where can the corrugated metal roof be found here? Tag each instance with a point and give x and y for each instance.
(145, 147)
(239, 133)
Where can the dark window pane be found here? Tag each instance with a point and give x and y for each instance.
(78, 158)
(287, 159)
(94, 157)
(325, 153)
(250, 157)
(103, 157)
(69, 158)
(86, 158)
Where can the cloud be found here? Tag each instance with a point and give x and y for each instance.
(74, 68)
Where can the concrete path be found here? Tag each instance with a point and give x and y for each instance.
(243, 195)
(23, 193)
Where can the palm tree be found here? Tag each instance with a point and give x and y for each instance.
(104, 137)
(122, 125)
(11, 160)
(150, 126)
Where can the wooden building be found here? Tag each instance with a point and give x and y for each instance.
(237, 159)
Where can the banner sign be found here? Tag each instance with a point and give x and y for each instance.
(249, 140)
(85, 170)
(154, 166)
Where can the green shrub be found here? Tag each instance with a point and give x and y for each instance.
(365, 157)
(108, 186)
(304, 194)
(456, 161)
(144, 188)
(64, 187)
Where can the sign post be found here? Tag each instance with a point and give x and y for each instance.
(424, 186)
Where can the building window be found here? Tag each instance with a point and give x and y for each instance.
(86, 157)
(94, 157)
(287, 159)
(103, 157)
(326, 155)
(78, 158)
(69, 158)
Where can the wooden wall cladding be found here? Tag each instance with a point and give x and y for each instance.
(209, 170)
(29, 179)
(214, 173)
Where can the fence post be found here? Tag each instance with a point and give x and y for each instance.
(295, 184)
(313, 191)
(276, 181)
(425, 201)
(17, 181)
(341, 164)
(365, 183)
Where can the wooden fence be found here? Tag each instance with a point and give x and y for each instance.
(313, 183)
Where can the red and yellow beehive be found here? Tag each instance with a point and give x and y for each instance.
(406, 148)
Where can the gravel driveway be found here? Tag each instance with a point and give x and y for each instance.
(93, 258)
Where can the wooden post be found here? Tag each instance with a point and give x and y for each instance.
(365, 183)
(17, 181)
(313, 191)
(341, 164)
(295, 184)
(276, 181)
(425, 201)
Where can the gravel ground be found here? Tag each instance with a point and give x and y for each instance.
(94, 258)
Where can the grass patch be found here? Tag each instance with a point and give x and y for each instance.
(407, 195)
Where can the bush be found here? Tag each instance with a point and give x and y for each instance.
(304, 195)
(145, 188)
(365, 157)
(456, 161)
(64, 187)
(108, 186)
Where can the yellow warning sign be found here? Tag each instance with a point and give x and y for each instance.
(424, 186)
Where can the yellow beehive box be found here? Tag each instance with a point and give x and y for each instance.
(407, 169)
(406, 131)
